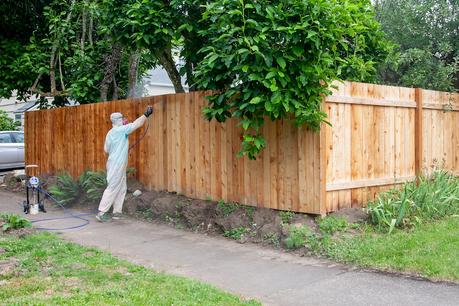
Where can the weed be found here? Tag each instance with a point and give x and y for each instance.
(14, 222)
(286, 216)
(180, 226)
(169, 219)
(249, 210)
(296, 237)
(272, 238)
(147, 214)
(227, 208)
(66, 190)
(236, 233)
(331, 224)
(432, 197)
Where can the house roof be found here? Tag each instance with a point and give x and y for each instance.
(25, 107)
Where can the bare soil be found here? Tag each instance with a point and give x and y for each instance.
(260, 225)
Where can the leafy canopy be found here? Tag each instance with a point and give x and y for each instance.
(276, 59)
(427, 35)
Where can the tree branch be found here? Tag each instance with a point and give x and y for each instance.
(60, 73)
(166, 60)
(134, 59)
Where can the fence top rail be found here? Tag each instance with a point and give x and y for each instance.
(370, 101)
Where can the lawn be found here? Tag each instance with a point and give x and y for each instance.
(430, 250)
(42, 269)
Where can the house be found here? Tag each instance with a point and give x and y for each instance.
(156, 82)
(15, 109)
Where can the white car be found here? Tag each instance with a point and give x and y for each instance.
(11, 149)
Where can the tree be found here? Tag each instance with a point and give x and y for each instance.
(92, 51)
(277, 59)
(427, 33)
(6, 123)
(15, 33)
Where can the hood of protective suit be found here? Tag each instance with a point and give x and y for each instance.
(117, 119)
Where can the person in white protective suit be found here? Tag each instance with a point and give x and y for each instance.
(117, 147)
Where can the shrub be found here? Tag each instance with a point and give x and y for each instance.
(432, 197)
(93, 183)
(66, 190)
(14, 222)
(331, 224)
(297, 236)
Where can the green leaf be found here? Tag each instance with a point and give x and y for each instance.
(281, 62)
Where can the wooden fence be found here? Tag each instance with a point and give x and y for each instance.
(381, 136)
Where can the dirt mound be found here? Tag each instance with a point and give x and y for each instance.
(199, 213)
(236, 219)
(304, 220)
(167, 206)
(13, 183)
(133, 185)
(143, 202)
(352, 215)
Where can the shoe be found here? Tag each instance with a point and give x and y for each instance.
(117, 216)
(102, 217)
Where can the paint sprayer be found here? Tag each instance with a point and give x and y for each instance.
(33, 203)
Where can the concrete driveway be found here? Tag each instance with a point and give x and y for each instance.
(270, 276)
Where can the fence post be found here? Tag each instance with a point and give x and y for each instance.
(323, 169)
(418, 131)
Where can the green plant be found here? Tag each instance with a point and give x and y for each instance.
(66, 190)
(227, 208)
(147, 214)
(286, 216)
(236, 233)
(430, 197)
(249, 210)
(73, 274)
(93, 183)
(272, 238)
(297, 236)
(6, 123)
(331, 224)
(14, 222)
(270, 60)
(430, 58)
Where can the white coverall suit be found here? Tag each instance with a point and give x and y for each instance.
(117, 147)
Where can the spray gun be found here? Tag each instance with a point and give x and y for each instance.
(147, 114)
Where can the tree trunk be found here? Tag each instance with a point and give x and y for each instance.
(52, 61)
(134, 59)
(91, 25)
(83, 28)
(166, 60)
(111, 61)
(115, 89)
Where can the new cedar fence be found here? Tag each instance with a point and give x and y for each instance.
(380, 136)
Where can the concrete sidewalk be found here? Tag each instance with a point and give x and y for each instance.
(270, 276)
